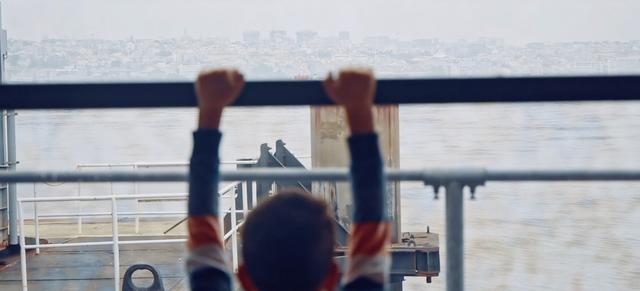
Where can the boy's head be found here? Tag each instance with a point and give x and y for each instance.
(288, 244)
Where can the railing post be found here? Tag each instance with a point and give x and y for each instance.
(234, 237)
(110, 182)
(78, 204)
(245, 202)
(23, 250)
(116, 247)
(455, 237)
(135, 192)
(36, 219)
(254, 194)
(12, 163)
(4, 187)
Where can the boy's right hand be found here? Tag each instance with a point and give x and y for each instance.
(354, 89)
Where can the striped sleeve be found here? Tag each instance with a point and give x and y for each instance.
(206, 263)
(369, 262)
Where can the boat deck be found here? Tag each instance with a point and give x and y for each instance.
(91, 267)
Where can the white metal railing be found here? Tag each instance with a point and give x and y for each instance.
(453, 180)
(37, 217)
(135, 166)
(229, 191)
(156, 164)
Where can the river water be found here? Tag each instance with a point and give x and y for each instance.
(519, 236)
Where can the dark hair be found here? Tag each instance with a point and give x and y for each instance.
(288, 242)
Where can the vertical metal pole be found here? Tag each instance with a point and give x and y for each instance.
(8, 193)
(3, 47)
(455, 244)
(4, 197)
(110, 182)
(36, 219)
(78, 208)
(116, 246)
(135, 192)
(13, 198)
(254, 194)
(234, 237)
(245, 202)
(23, 252)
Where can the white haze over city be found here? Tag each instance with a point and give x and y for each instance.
(514, 21)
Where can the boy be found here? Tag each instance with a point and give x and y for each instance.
(288, 240)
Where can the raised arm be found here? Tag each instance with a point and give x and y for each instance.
(369, 263)
(206, 265)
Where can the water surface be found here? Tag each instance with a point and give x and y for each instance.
(519, 236)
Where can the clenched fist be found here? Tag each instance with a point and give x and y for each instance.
(216, 89)
(354, 89)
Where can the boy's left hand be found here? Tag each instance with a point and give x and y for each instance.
(216, 89)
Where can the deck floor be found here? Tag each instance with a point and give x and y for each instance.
(91, 267)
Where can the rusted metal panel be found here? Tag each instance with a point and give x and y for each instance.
(329, 131)
(419, 260)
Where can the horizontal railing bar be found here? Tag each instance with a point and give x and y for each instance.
(105, 243)
(106, 165)
(143, 197)
(158, 164)
(157, 241)
(154, 200)
(278, 93)
(63, 245)
(120, 214)
(99, 198)
(105, 214)
(70, 215)
(559, 175)
(435, 176)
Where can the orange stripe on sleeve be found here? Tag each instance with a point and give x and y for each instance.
(204, 230)
(370, 239)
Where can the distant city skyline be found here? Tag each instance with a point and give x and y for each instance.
(513, 21)
(275, 57)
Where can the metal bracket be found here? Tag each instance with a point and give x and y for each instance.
(471, 178)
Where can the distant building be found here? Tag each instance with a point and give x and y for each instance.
(251, 37)
(535, 45)
(344, 36)
(377, 40)
(306, 36)
(3, 56)
(278, 35)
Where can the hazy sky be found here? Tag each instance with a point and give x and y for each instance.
(514, 20)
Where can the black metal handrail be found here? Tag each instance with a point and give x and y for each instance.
(279, 93)
(440, 177)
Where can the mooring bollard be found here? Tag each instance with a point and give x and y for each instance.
(127, 281)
